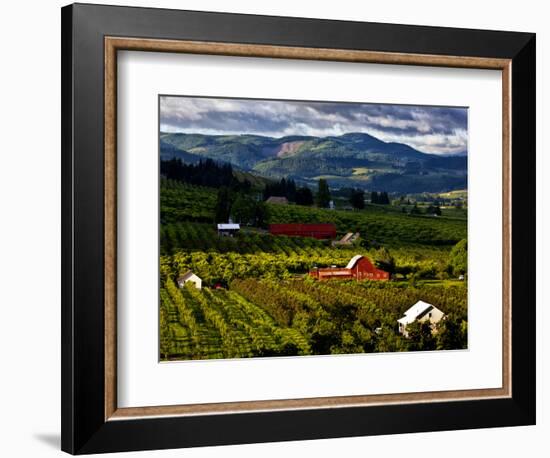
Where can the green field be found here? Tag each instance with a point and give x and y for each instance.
(257, 299)
(182, 203)
(296, 317)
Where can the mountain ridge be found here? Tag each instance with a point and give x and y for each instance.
(353, 159)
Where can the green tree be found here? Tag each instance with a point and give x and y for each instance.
(389, 341)
(223, 205)
(165, 334)
(420, 336)
(357, 199)
(415, 210)
(243, 210)
(452, 333)
(384, 260)
(304, 196)
(405, 270)
(458, 258)
(323, 194)
(433, 210)
(261, 214)
(383, 198)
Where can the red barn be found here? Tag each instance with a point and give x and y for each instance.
(318, 231)
(359, 268)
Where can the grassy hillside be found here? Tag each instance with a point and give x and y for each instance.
(183, 202)
(376, 223)
(383, 224)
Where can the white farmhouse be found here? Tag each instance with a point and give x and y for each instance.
(187, 277)
(421, 311)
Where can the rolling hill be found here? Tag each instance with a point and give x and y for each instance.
(350, 160)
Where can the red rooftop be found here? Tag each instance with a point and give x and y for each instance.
(318, 231)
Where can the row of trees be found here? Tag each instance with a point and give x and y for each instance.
(304, 196)
(240, 207)
(380, 198)
(323, 194)
(216, 175)
(282, 188)
(205, 173)
(301, 195)
(457, 263)
(357, 199)
(212, 174)
(433, 210)
(283, 257)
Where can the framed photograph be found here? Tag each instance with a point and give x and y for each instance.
(282, 228)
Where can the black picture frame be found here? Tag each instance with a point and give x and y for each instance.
(84, 428)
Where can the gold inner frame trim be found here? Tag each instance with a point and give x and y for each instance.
(114, 44)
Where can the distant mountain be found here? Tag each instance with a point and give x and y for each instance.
(353, 159)
(457, 154)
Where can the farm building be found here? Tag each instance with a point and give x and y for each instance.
(347, 239)
(358, 268)
(228, 229)
(277, 200)
(189, 277)
(318, 231)
(421, 311)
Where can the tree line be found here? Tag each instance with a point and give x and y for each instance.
(457, 264)
(433, 210)
(210, 173)
(300, 195)
(380, 198)
(205, 173)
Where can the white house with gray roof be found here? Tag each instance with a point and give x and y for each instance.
(422, 312)
(189, 277)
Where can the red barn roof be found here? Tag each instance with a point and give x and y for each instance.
(359, 267)
(319, 231)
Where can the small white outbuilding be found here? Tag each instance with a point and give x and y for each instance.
(421, 311)
(228, 229)
(187, 277)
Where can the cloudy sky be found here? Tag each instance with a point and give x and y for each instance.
(437, 130)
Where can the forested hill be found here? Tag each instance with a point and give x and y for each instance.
(349, 160)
